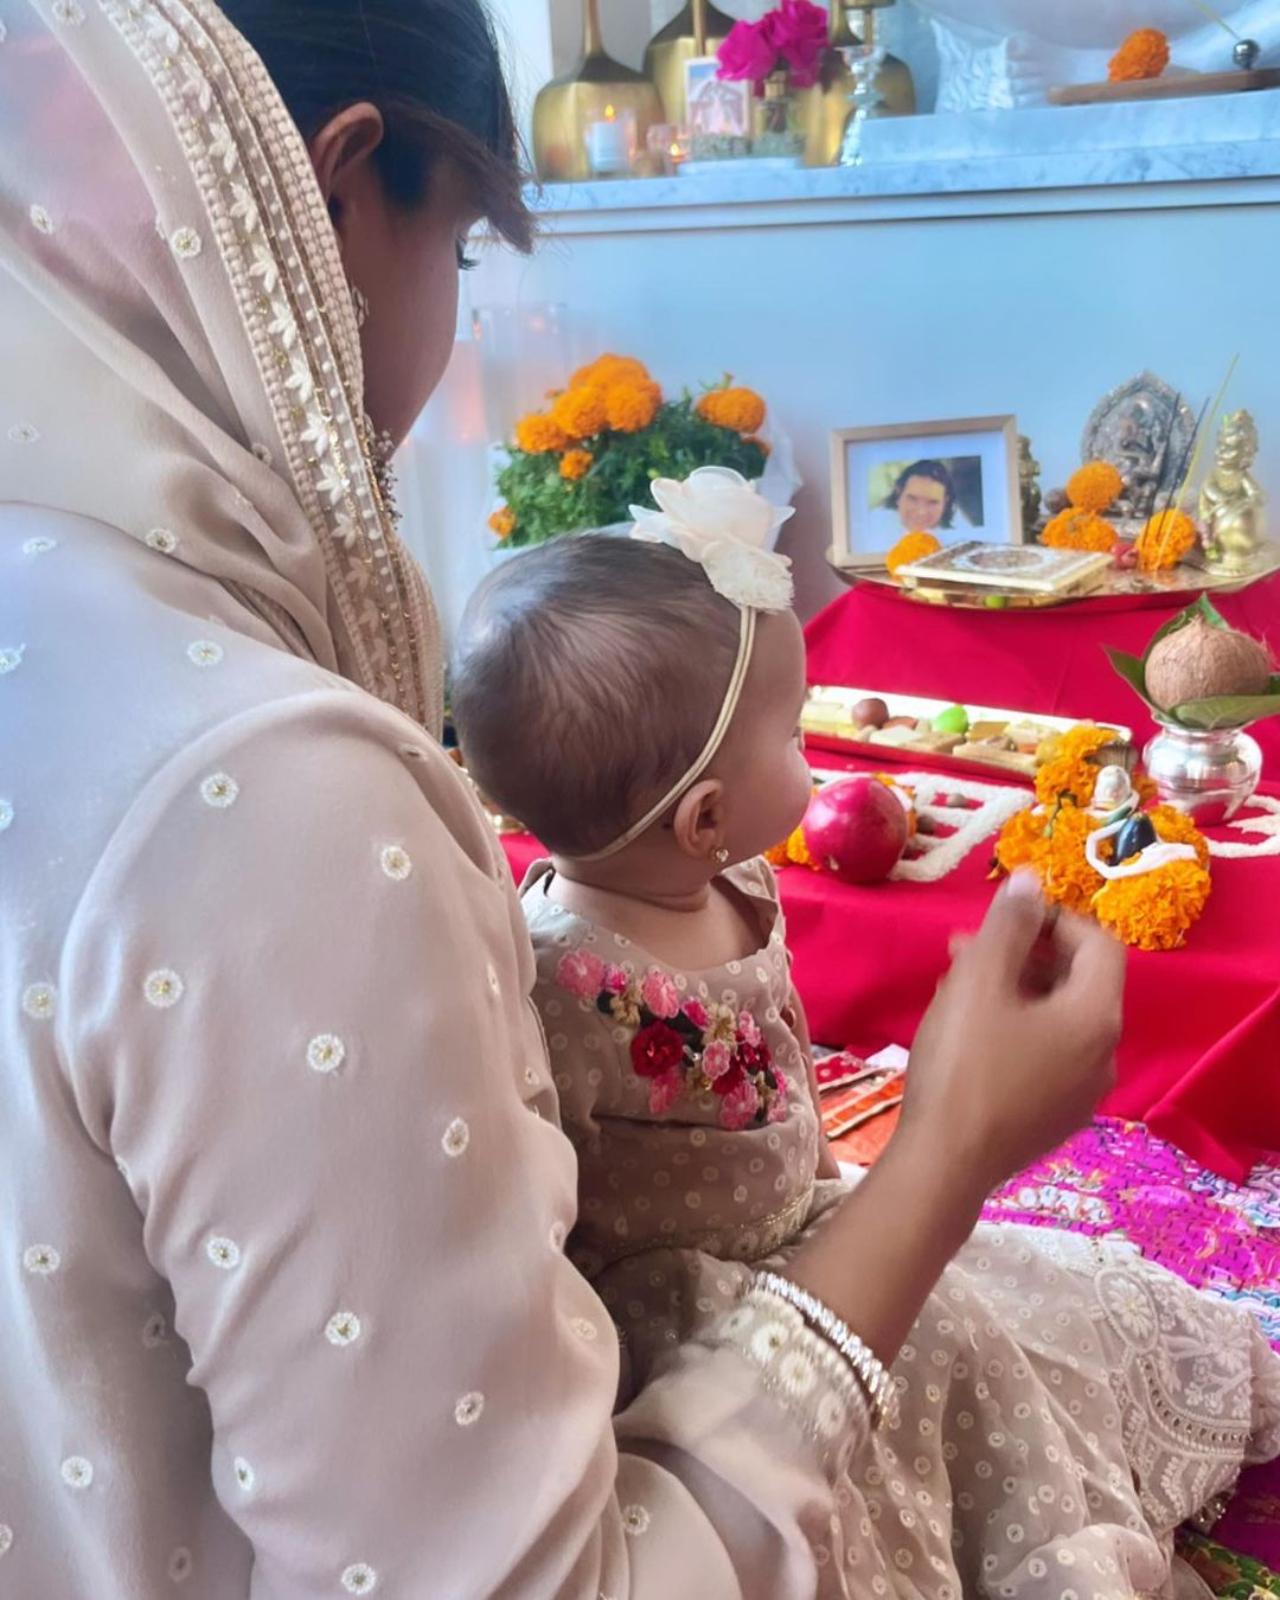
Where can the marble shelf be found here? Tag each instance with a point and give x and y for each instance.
(1222, 150)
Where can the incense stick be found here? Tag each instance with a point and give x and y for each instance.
(1213, 412)
(1213, 16)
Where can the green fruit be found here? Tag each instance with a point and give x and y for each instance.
(955, 719)
(996, 602)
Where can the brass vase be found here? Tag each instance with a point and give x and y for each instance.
(598, 89)
(695, 32)
(825, 111)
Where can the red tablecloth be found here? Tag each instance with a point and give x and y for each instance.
(1049, 661)
(1200, 1058)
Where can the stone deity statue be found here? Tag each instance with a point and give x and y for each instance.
(1008, 53)
(1230, 501)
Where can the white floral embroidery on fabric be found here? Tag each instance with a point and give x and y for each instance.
(68, 13)
(38, 1001)
(396, 862)
(326, 1053)
(495, 988)
(204, 653)
(6, 814)
(11, 658)
(219, 790)
(6, 1532)
(223, 1252)
(262, 453)
(41, 221)
(77, 1473)
(23, 433)
(155, 1331)
(39, 546)
(342, 1329)
(245, 1476)
(181, 1564)
(457, 1136)
(163, 540)
(635, 1521)
(585, 1330)
(163, 988)
(468, 1409)
(359, 1578)
(185, 244)
(42, 1260)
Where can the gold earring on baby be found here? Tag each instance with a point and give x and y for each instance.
(720, 856)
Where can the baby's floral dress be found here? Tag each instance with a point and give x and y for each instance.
(1064, 1405)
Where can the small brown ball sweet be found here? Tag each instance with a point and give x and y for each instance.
(870, 713)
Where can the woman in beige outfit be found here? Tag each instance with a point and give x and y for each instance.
(282, 1199)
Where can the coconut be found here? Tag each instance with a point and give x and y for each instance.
(1201, 662)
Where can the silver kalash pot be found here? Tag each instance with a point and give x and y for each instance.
(1209, 775)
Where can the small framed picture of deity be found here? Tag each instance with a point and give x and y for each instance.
(956, 480)
(718, 111)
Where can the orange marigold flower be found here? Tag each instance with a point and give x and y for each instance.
(1176, 827)
(798, 851)
(503, 522)
(911, 547)
(1069, 769)
(538, 434)
(580, 413)
(1155, 910)
(1144, 54)
(575, 464)
(740, 409)
(1051, 843)
(1077, 529)
(632, 405)
(1167, 537)
(1094, 486)
(607, 369)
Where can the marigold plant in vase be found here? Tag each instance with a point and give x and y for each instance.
(591, 455)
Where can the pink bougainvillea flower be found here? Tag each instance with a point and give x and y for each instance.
(747, 54)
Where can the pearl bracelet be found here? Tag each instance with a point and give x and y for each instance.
(869, 1370)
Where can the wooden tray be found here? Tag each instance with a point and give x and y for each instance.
(1175, 87)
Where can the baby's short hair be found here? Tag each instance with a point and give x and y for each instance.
(587, 676)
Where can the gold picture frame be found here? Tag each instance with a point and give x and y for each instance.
(958, 494)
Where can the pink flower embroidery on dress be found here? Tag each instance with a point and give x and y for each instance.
(696, 1013)
(616, 978)
(665, 1091)
(717, 1058)
(581, 973)
(659, 993)
(740, 1106)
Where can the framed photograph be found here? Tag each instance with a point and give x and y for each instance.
(718, 112)
(957, 480)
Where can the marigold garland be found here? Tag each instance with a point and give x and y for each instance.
(1078, 529)
(1070, 770)
(575, 464)
(1155, 910)
(537, 434)
(503, 522)
(1165, 540)
(1176, 827)
(1050, 841)
(740, 409)
(1094, 486)
(911, 547)
(1144, 54)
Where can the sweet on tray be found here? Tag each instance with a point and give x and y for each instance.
(916, 725)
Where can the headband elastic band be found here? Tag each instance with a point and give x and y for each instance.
(746, 640)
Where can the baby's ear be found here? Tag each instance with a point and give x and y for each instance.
(700, 821)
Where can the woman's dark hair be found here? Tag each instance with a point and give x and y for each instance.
(936, 473)
(431, 67)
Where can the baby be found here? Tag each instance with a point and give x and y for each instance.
(638, 711)
(1060, 1405)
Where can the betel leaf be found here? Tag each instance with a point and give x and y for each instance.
(1132, 670)
(1202, 607)
(1227, 710)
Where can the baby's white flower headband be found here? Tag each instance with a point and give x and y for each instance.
(718, 519)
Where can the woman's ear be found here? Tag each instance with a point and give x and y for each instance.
(341, 154)
(699, 823)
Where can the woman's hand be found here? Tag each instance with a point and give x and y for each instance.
(1012, 1056)
(1018, 1046)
